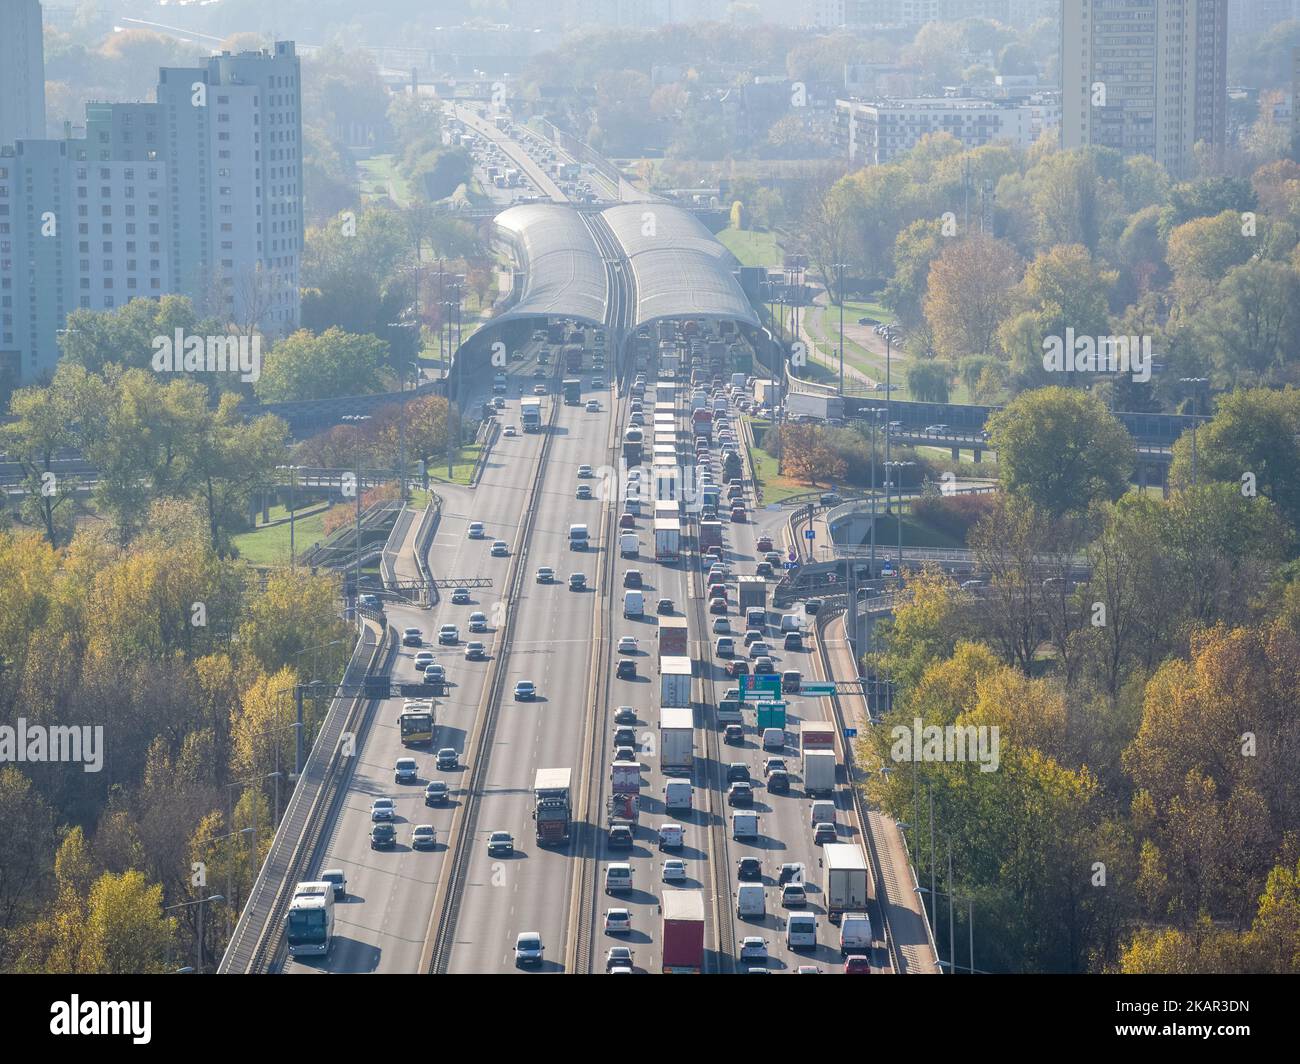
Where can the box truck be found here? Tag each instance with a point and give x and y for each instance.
(675, 682)
(818, 772)
(676, 737)
(682, 933)
(844, 878)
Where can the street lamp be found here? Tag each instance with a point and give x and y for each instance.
(200, 902)
(356, 566)
(895, 474)
(841, 266)
(1196, 383)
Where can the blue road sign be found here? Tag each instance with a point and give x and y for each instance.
(809, 533)
(789, 565)
(850, 733)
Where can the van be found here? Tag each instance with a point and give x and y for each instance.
(629, 546)
(756, 618)
(855, 934)
(751, 901)
(791, 681)
(822, 812)
(801, 931)
(773, 738)
(671, 836)
(633, 604)
(577, 537)
(618, 878)
(744, 825)
(678, 794)
(791, 622)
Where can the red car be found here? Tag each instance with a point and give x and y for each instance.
(857, 966)
(764, 544)
(738, 514)
(739, 667)
(627, 521)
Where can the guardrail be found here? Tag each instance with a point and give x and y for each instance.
(423, 544)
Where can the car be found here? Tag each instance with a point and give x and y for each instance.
(435, 673)
(740, 794)
(764, 544)
(791, 680)
(528, 948)
(772, 558)
(475, 530)
(823, 833)
(382, 809)
(525, 690)
(583, 492)
(545, 574)
(738, 514)
(598, 382)
(807, 969)
(625, 715)
(738, 667)
(498, 402)
(779, 783)
(718, 606)
(585, 471)
(773, 764)
(435, 793)
(412, 637)
(633, 579)
(460, 596)
(674, 871)
(764, 666)
(937, 430)
(593, 407)
(752, 636)
(857, 965)
(383, 836)
(449, 634)
(790, 872)
(626, 670)
(753, 948)
(618, 922)
(627, 644)
(423, 660)
(510, 430)
(764, 569)
(448, 758)
(340, 881)
(618, 957)
(637, 418)
(626, 520)
(759, 649)
(423, 836)
(475, 651)
(500, 842)
(404, 770)
(370, 602)
(830, 498)
(722, 626)
(478, 622)
(577, 581)
(812, 606)
(733, 733)
(664, 605)
(725, 647)
(737, 772)
(625, 738)
(793, 896)
(539, 389)
(500, 549)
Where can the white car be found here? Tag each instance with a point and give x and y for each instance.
(627, 644)
(721, 626)
(593, 407)
(500, 549)
(528, 948)
(423, 660)
(381, 809)
(510, 430)
(674, 871)
(545, 574)
(475, 530)
(585, 471)
(618, 922)
(753, 948)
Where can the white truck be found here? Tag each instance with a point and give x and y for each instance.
(629, 546)
(668, 538)
(800, 405)
(844, 879)
(675, 682)
(676, 738)
(818, 772)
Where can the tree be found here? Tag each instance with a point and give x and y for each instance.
(1061, 449)
(928, 381)
(968, 294)
(1252, 320)
(1066, 285)
(807, 455)
(328, 366)
(126, 930)
(915, 250)
(1207, 248)
(27, 843)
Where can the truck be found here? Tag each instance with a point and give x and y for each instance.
(530, 413)
(625, 777)
(771, 715)
(675, 681)
(629, 545)
(572, 391)
(818, 772)
(674, 638)
(555, 332)
(737, 382)
(682, 933)
(676, 738)
(817, 735)
(764, 392)
(668, 538)
(816, 407)
(572, 358)
(753, 594)
(502, 122)
(844, 879)
(669, 361)
(710, 534)
(551, 810)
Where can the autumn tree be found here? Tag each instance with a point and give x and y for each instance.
(969, 293)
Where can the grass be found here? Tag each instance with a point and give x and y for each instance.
(751, 247)
(915, 534)
(269, 545)
(377, 173)
(775, 488)
(460, 469)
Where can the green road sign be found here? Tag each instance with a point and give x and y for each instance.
(814, 688)
(769, 682)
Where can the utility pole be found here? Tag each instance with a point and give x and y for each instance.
(1196, 383)
(840, 266)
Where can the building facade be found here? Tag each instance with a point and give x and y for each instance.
(1145, 77)
(22, 71)
(874, 132)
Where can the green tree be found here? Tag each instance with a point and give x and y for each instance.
(333, 364)
(929, 380)
(968, 294)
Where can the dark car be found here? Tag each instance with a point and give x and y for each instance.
(734, 733)
(738, 667)
(632, 578)
(448, 758)
(830, 498)
(740, 794)
(665, 605)
(812, 605)
(824, 832)
(737, 772)
(738, 514)
(626, 670)
(435, 793)
(749, 869)
(764, 569)
(624, 737)
(620, 837)
(792, 641)
(383, 836)
(625, 715)
(789, 873)
(779, 782)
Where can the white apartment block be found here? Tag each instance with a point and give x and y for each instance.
(875, 132)
(22, 71)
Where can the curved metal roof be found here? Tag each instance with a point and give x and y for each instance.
(564, 272)
(681, 269)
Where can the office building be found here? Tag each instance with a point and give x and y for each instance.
(22, 71)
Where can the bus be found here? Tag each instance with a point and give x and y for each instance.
(309, 923)
(416, 723)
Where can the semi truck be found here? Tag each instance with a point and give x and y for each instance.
(676, 738)
(818, 772)
(668, 538)
(764, 392)
(551, 809)
(625, 777)
(572, 391)
(710, 534)
(844, 879)
(818, 407)
(530, 413)
(573, 358)
(753, 594)
(817, 735)
(682, 933)
(675, 681)
(674, 638)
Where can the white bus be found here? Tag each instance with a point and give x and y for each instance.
(309, 924)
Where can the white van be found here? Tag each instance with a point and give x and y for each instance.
(678, 794)
(618, 878)
(855, 934)
(671, 836)
(751, 901)
(577, 537)
(756, 618)
(629, 546)
(633, 603)
(823, 812)
(791, 622)
(773, 738)
(744, 825)
(801, 931)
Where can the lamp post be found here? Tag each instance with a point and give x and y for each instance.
(293, 506)
(896, 469)
(841, 267)
(200, 902)
(1196, 383)
(356, 564)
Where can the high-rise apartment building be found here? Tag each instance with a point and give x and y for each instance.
(1146, 77)
(22, 71)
